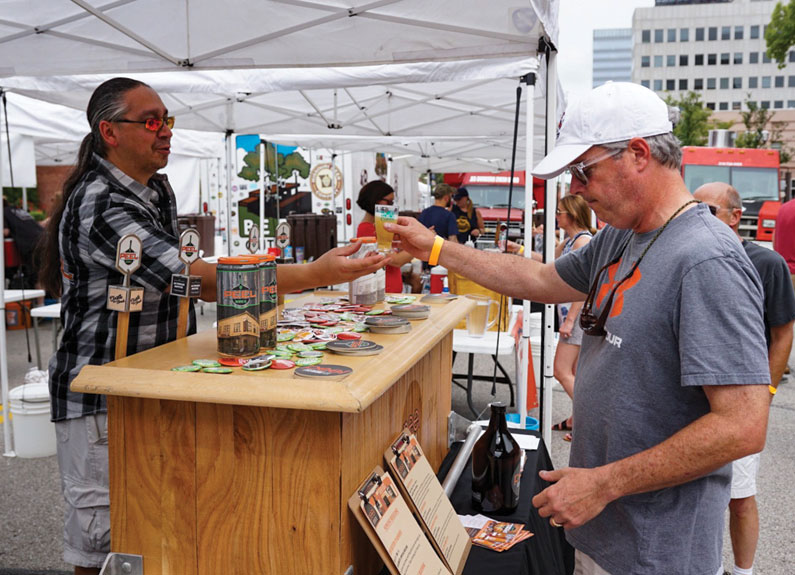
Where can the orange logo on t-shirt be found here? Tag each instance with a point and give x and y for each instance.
(607, 287)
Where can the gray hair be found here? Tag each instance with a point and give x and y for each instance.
(665, 148)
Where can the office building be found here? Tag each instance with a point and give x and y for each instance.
(612, 55)
(716, 48)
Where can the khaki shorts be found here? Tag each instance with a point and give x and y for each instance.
(83, 461)
(744, 476)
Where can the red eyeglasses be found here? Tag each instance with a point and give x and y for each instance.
(151, 124)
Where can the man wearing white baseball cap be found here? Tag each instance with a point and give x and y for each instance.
(664, 399)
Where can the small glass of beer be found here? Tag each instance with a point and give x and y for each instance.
(384, 214)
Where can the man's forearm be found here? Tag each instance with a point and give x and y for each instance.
(778, 354)
(506, 274)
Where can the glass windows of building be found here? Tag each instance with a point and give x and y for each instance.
(683, 59)
(670, 85)
(753, 57)
(738, 32)
(683, 84)
(765, 58)
(711, 83)
(698, 84)
(712, 59)
(790, 81)
(754, 34)
(792, 55)
(710, 105)
(672, 34)
(645, 36)
(753, 82)
(765, 81)
(658, 35)
(737, 83)
(778, 104)
(790, 103)
(684, 34)
(764, 104)
(658, 61)
(726, 33)
(645, 83)
(658, 85)
(670, 60)
(724, 59)
(645, 61)
(738, 58)
(723, 106)
(699, 34)
(699, 60)
(724, 83)
(779, 81)
(736, 105)
(712, 33)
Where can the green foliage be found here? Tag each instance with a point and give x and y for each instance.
(693, 126)
(757, 121)
(289, 164)
(14, 197)
(780, 32)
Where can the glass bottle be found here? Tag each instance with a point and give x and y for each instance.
(496, 466)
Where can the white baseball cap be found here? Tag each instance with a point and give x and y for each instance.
(613, 112)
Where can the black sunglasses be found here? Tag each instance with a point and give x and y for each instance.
(590, 324)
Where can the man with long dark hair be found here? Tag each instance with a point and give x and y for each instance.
(114, 191)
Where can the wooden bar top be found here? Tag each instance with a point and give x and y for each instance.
(148, 374)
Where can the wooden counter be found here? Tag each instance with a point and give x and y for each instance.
(249, 473)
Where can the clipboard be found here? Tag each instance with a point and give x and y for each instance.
(378, 502)
(427, 500)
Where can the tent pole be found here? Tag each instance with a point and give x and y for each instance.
(8, 450)
(550, 201)
(262, 145)
(229, 168)
(522, 382)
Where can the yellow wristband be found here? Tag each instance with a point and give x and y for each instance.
(436, 250)
(773, 390)
(521, 250)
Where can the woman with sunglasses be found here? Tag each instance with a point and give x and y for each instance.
(573, 217)
(380, 193)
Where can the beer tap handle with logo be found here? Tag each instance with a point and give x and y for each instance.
(185, 285)
(124, 298)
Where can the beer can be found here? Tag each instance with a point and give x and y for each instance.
(238, 289)
(268, 298)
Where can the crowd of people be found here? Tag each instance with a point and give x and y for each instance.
(674, 333)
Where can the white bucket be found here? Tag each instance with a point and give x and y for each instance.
(34, 433)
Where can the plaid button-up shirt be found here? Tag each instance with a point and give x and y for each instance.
(106, 205)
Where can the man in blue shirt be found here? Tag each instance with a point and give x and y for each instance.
(438, 217)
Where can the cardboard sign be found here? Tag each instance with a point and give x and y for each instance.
(125, 299)
(253, 240)
(283, 235)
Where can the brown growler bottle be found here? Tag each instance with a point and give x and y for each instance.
(496, 466)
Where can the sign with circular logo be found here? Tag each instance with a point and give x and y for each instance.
(128, 254)
(324, 371)
(324, 182)
(189, 246)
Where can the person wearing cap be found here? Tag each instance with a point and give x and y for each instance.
(114, 191)
(437, 217)
(468, 217)
(779, 305)
(672, 380)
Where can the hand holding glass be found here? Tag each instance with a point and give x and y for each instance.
(385, 214)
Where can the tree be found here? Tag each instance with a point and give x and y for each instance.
(692, 128)
(761, 131)
(780, 32)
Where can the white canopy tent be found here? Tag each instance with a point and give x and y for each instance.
(434, 81)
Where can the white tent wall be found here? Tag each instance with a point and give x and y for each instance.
(23, 161)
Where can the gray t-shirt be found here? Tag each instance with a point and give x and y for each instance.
(690, 316)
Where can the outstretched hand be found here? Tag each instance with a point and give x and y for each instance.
(334, 266)
(575, 497)
(414, 237)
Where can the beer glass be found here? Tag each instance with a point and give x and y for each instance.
(384, 214)
(478, 319)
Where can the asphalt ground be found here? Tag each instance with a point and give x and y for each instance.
(31, 508)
